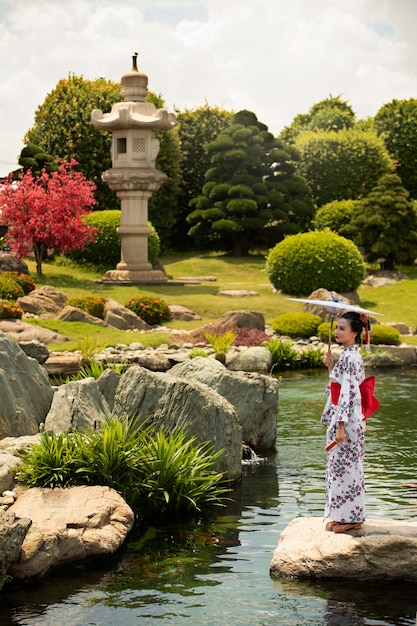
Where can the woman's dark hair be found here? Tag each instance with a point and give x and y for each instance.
(355, 322)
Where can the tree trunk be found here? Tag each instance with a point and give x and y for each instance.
(39, 250)
(241, 246)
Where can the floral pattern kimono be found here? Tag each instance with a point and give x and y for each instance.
(345, 485)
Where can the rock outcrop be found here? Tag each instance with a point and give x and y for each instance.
(119, 316)
(381, 550)
(255, 397)
(10, 263)
(13, 530)
(46, 299)
(170, 402)
(26, 393)
(77, 405)
(68, 525)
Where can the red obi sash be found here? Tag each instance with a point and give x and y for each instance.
(366, 388)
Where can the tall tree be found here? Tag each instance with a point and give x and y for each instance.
(385, 223)
(342, 165)
(63, 128)
(196, 128)
(331, 114)
(396, 123)
(252, 195)
(45, 211)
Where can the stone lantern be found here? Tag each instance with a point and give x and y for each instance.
(133, 176)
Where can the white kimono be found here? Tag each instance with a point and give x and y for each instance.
(345, 485)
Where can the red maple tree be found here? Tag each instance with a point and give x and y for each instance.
(45, 212)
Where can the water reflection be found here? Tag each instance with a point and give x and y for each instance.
(218, 573)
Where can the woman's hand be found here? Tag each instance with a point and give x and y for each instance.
(328, 360)
(340, 433)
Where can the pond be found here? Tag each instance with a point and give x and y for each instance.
(218, 573)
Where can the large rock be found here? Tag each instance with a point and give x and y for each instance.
(242, 319)
(171, 402)
(9, 263)
(380, 550)
(26, 393)
(46, 299)
(179, 312)
(12, 533)
(119, 316)
(254, 396)
(23, 332)
(10, 451)
(253, 359)
(78, 405)
(35, 349)
(7, 462)
(324, 294)
(75, 314)
(69, 525)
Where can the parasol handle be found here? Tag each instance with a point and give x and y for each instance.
(330, 331)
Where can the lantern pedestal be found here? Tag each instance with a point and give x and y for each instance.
(133, 176)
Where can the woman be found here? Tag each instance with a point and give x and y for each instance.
(345, 485)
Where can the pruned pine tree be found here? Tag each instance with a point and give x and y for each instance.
(252, 196)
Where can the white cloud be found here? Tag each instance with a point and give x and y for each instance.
(274, 58)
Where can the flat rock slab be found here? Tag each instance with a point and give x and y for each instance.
(22, 331)
(380, 550)
(69, 525)
(238, 293)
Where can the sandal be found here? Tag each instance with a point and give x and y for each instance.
(342, 528)
(330, 525)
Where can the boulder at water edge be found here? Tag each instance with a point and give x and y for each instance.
(254, 396)
(172, 402)
(12, 534)
(68, 525)
(26, 393)
(380, 550)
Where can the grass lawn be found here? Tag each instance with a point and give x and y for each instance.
(397, 302)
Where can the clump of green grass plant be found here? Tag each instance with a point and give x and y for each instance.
(220, 343)
(160, 476)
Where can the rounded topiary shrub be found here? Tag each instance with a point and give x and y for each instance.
(296, 324)
(105, 250)
(384, 335)
(305, 262)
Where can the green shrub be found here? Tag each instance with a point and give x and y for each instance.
(283, 353)
(385, 335)
(10, 310)
(296, 324)
(220, 343)
(335, 215)
(323, 331)
(105, 250)
(9, 288)
(195, 352)
(307, 261)
(150, 310)
(25, 281)
(160, 476)
(311, 358)
(94, 305)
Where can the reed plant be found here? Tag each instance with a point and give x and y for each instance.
(160, 476)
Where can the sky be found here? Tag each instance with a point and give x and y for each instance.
(273, 57)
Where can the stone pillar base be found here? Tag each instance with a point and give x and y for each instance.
(134, 277)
